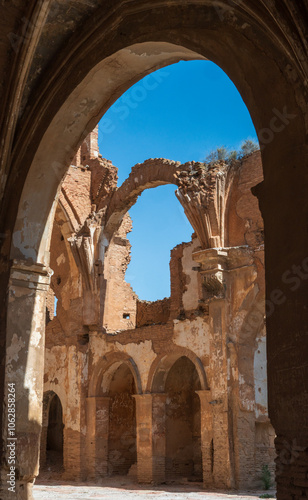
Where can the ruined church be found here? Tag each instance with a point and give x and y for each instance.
(99, 382)
(167, 390)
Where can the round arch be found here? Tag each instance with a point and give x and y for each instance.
(103, 372)
(162, 365)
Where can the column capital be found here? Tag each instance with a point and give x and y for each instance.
(35, 276)
(223, 259)
(143, 399)
(205, 396)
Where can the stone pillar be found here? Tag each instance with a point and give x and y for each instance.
(90, 442)
(159, 437)
(223, 276)
(222, 472)
(151, 437)
(284, 206)
(207, 445)
(97, 437)
(24, 370)
(144, 437)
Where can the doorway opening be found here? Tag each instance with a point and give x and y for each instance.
(183, 423)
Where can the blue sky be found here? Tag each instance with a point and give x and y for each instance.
(182, 113)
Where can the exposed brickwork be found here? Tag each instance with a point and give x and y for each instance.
(60, 70)
(149, 313)
(167, 389)
(177, 279)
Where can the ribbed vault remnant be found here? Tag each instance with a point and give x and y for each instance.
(84, 245)
(203, 192)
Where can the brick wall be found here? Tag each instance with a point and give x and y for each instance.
(151, 313)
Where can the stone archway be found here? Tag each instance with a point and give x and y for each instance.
(162, 365)
(183, 422)
(63, 107)
(151, 410)
(150, 174)
(114, 380)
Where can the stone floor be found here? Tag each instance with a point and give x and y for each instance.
(125, 489)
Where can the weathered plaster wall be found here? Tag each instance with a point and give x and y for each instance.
(42, 45)
(200, 339)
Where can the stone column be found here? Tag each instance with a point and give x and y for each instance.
(144, 437)
(24, 370)
(90, 441)
(207, 445)
(159, 437)
(97, 436)
(151, 437)
(222, 472)
(222, 271)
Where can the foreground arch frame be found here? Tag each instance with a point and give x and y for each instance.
(247, 44)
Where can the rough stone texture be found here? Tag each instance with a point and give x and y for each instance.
(194, 363)
(106, 47)
(150, 313)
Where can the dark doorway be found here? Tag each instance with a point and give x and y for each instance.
(183, 425)
(54, 441)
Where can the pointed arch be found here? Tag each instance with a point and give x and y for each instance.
(162, 365)
(103, 372)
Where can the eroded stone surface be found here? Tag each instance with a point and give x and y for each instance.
(53, 56)
(146, 388)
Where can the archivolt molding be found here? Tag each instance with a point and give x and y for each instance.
(106, 368)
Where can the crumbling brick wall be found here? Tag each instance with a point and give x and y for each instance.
(151, 313)
(215, 332)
